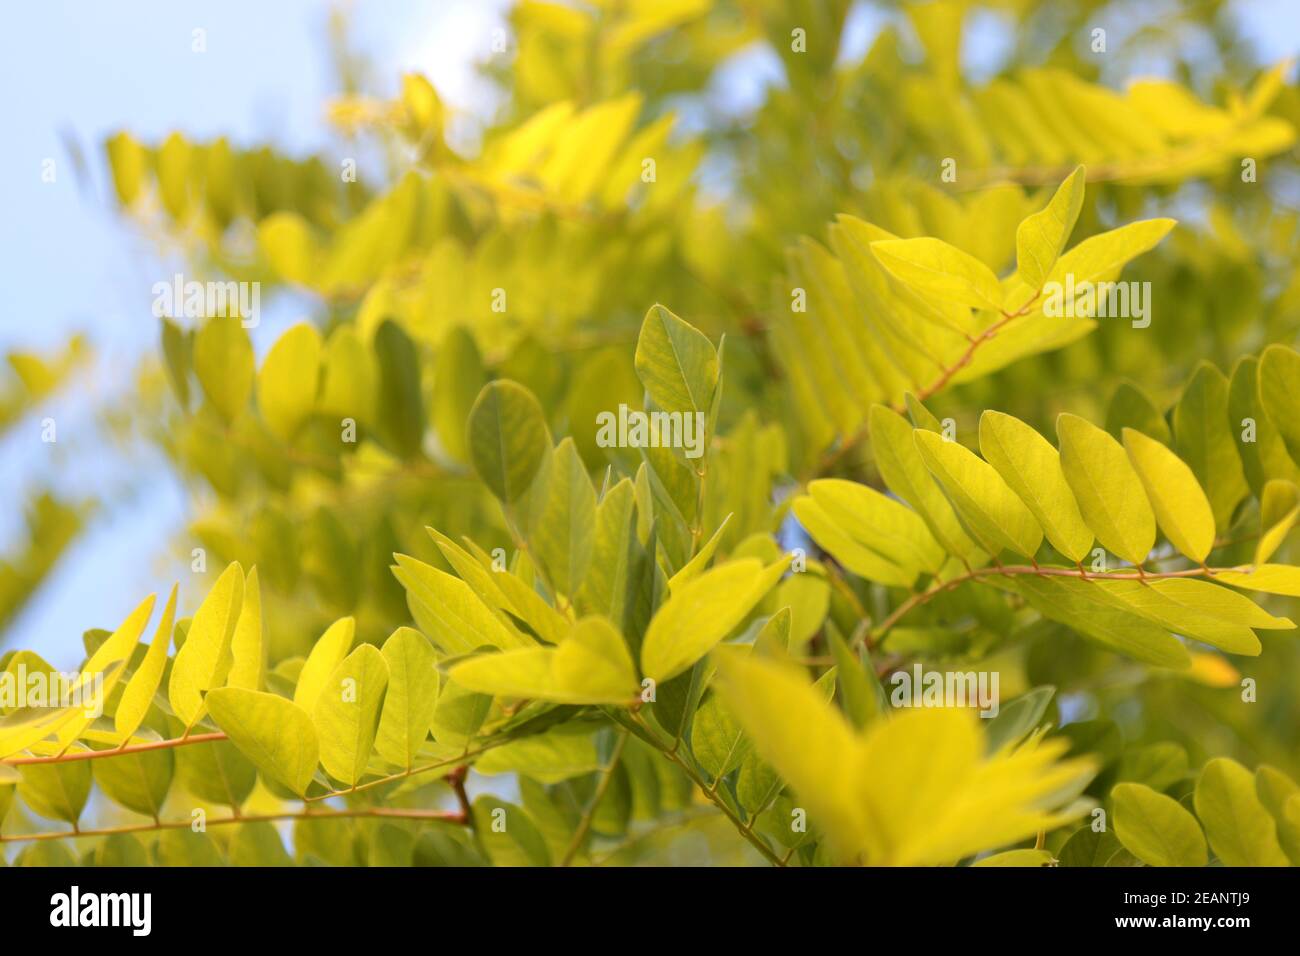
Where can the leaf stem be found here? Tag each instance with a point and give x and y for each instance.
(606, 776)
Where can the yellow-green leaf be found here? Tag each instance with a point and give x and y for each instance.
(1041, 237)
(411, 699)
(1203, 438)
(590, 666)
(1279, 510)
(57, 791)
(1108, 490)
(879, 522)
(204, 661)
(346, 713)
(703, 612)
(993, 512)
(676, 363)
(138, 694)
(448, 611)
(246, 645)
(286, 385)
(1270, 578)
(1279, 384)
(934, 268)
(275, 734)
(508, 438)
(905, 473)
(1181, 508)
(1032, 468)
(1240, 828)
(562, 532)
(1155, 828)
(223, 361)
(326, 654)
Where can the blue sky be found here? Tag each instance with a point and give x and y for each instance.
(84, 70)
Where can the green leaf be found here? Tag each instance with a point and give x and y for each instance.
(1017, 719)
(258, 844)
(591, 666)
(993, 512)
(1108, 490)
(808, 596)
(905, 473)
(459, 714)
(1181, 508)
(216, 772)
(701, 613)
(508, 836)
(1032, 468)
(860, 692)
(676, 363)
(1281, 797)
(605, 586)
(879, 523)
(458, 377)
(138, 694)
(717, 740)
(508, 438)
(57, 791)
(1279, 510)
(850, 552)
(1102, 256)
(1179, 609)
(562, 534)
(1204, 440)
(351, 378)
(449, 613)
(224, 364)
(563, 753)
(934, 268)
(1266, 457)
(411, 699)
(138, 781)
(1279, 384)
(326, 654)
(1270, 578)
(346, 713)
(286, 385)
(1240, 828)
(275, 734)
(1083, 606)
(1041, 237)
(401, 398)
(1155, 828)
(186, 848)
(122, 849)
(1131, 408)
(204, 660)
